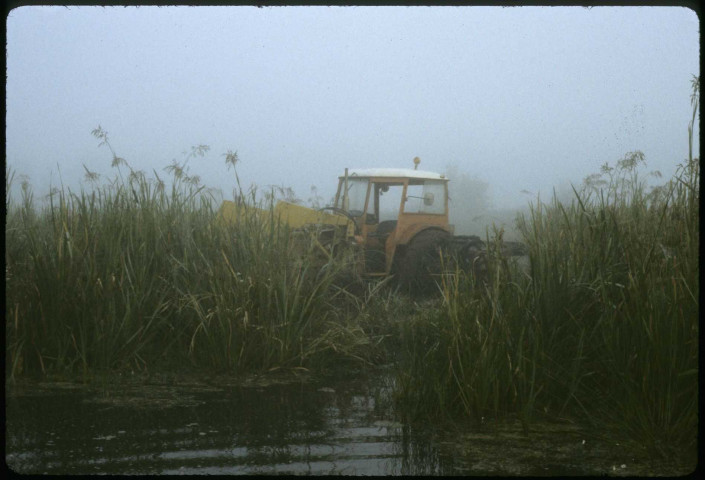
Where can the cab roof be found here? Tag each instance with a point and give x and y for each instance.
(394, 173)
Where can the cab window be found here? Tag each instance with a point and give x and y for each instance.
(354, 202)
(426, 196)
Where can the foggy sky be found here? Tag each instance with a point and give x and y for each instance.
(524, 98)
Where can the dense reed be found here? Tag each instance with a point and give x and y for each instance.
(134, 274)
(604, 326)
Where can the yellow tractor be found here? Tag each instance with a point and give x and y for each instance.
(393, 220)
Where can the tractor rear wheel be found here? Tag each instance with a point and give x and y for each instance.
(419, 270)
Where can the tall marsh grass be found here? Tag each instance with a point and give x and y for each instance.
(137, 274)
(604, 326)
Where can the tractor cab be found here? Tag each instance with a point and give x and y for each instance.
(389, 207)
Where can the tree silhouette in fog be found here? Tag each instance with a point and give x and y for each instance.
(468, 199)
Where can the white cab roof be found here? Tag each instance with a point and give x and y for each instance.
(394, 173)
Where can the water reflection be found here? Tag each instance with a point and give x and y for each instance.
(300, 428)
(334, 427)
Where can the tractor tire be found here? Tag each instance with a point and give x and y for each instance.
(419, 270)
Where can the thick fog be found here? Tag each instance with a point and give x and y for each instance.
(509, 100)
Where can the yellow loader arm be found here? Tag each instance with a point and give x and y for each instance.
(295, 216)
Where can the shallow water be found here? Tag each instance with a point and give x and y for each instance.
(300, 427)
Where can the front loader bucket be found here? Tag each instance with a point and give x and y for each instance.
(231, 212)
